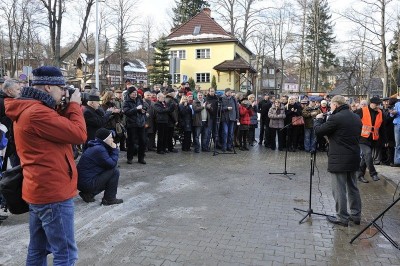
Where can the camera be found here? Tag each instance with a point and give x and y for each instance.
(312, 108)
(84, 95)
(144, 108)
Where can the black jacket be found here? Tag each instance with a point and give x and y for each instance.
(213, 105)
(263, 109)
(185, 117)
(94, 119)
(343, 129)
(163, 111)
(134, 117)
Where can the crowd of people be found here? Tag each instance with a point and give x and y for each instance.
(43, 121)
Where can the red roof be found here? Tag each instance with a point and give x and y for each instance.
(201, 29)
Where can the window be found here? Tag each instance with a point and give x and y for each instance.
(176, 78)
(271, 71)
(202, 77)
(202, 53)
(196, 30)
(181, 54)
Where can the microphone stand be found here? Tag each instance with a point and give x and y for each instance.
(285, 172)
(394, 243)
(310, 211)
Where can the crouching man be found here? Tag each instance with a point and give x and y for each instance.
(97, 169)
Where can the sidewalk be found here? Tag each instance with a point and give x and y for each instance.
(391, 177)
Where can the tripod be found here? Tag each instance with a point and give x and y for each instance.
(310, 211)
(373, 222)
(216, 139)
(285, 172)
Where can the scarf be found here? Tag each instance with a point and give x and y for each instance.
(32, 93)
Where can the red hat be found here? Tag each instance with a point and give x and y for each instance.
(189, 93)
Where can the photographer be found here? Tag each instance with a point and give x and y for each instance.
(309, 113)
(135, 120)
(343, 129)
(43, 138)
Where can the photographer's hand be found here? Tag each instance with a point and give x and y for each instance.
(319, 116)
(75, 97)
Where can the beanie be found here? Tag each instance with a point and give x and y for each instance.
(131, 89)
(103, 133)
(47, 75)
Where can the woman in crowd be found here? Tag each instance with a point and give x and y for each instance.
(107, 102)
(293, 114)
(245, 112)
(185, 122)
(253, 119)
(277, 116)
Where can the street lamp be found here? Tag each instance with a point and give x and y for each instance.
(97, 46)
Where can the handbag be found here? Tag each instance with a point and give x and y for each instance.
(11, 189)
(297, 121)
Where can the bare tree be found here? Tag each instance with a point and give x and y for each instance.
(123, 20)
(242, 16)
(227, 10)
(376, 18)
(55, 11)
(15, 13)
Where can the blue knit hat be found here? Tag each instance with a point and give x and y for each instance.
(48, 75)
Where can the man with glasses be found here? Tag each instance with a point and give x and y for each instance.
(43, 138)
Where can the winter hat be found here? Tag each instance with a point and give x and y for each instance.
(131, 89)
(375, 100)
(103, 134)
(324, 102)
(93, 98)
(48, 75)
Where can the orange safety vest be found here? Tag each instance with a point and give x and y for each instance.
(367, 127)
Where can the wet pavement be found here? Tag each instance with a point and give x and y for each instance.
(200, 209)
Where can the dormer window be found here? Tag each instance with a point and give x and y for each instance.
(196, 30)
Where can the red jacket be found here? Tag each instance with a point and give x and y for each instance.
(245, 115)
(43, 139)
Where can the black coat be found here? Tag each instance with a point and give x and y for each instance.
(94, 119)
(343, 129)
(185, 117)
(263, 109)
(163, 111)
(134, 117)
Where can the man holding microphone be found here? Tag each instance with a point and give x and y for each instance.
(343, 129)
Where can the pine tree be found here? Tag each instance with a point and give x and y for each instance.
(186, 9)
(319, 39)
(160, 71)
(394, 50)
(214, 82)
(121, 46)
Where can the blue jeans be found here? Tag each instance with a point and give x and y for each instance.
(310, 140)
(51, 228)
(211, 129)
(227, 135)
(366, 161)
(397, 147)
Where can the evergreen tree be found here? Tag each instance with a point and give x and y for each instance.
(214, 82)
(160, 71)
(186, 9)
(192, 84)
(121, 46)
(319, 39)
(395, 54)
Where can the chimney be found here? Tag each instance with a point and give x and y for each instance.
(207, 11)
